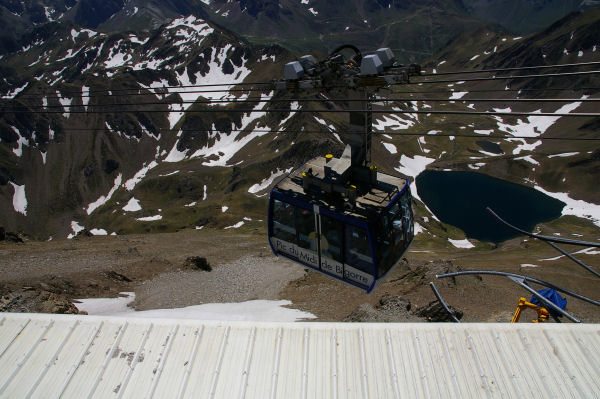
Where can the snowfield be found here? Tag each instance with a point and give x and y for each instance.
(575, 207)
(257, 310)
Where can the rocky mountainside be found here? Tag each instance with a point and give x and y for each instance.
(21, 16)
(82, 115)
(414, 29)
(525, 16)
(104, 133)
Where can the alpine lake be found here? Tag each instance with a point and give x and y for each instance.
(460, 199)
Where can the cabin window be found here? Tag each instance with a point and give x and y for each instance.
(283, 221)
(331, 238)
(407, 216)
(305, 223)
(384, 238)
(358, 251)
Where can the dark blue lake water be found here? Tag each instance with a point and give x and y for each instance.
(460, 199)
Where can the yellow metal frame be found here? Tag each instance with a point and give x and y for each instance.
(542, 313)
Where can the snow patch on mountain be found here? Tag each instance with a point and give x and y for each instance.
(524, 146)
(13, 94)
(263, 185)
(215, 76)
(76, 227)
(76, 33)
(130, 184)
(235, 226)
(134, 39)
(149, 218)
(133, 205)
(588, 251)
(394, 122)
(563, 155)
(175, 155)
(70, 54)
(117, 58)
(533, 126)
(461, 243)
(413, 167)
(529, 159)
(486, 132)
(66, 104)
(322, 122)
(104, 198)
(265, 58)
(294, 106)
(226, 145)
(458, 94)
(196, 25)
(19, 199)
(390, 147)
(21, 141)
(579, 208)
(85, 96)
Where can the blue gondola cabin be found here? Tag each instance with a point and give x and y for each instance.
(356, 236)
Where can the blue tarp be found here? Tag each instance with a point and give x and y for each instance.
(553, 297)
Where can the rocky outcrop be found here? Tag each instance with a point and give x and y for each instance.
(32, 300)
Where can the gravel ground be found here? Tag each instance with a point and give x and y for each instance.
(153, 266)
(247, 278)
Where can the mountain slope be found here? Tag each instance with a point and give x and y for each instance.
(114, 164)
(63, 143)
(413, 29)
(525, 16)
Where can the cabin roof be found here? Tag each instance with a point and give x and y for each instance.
(367, 202)
(44, 356)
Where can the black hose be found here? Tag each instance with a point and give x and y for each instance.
(544, 238)
(530, 279)
(442, 302)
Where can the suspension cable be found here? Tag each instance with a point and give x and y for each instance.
(543, 75)
(514, 68)
(302, 100)
(375, 111)
(375, 132)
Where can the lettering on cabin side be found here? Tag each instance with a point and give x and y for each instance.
(307, 256)
(332, 267)
(327, 264)
(303, 255)
(358, 276)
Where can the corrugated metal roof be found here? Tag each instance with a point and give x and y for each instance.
(54, 356)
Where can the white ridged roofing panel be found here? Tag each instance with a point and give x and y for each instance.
(56, 356)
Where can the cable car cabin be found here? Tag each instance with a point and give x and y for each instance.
(356, 236)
